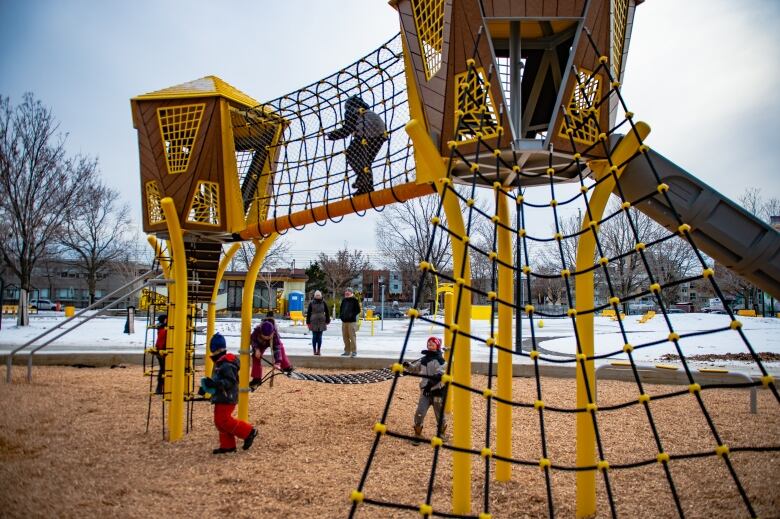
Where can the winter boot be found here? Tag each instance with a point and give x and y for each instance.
(249, 439)
(222, 450)
(417, 435)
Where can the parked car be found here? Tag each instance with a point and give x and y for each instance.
(42, 304)
(675, 311)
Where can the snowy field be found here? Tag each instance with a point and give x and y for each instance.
(555, 338)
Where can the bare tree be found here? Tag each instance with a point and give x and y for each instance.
(39, 186)
(341, 268)
(275, 257)
(96, 232)
(755, 204)
(670, 261)
(404, 234)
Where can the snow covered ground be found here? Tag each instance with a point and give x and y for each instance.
(555, 338)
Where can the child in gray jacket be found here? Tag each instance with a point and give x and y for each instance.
(432, 391)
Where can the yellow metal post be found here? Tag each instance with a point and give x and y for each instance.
(176, 244)
(449, 313)
(247, 300)
(586, 436)
(212, 309)
(505, 324)
(461, 358)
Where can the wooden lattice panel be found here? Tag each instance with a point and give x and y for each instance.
(429, 21)
(474, 100)
(179, 127)
(204, 208)
(582, 110)
(619, 21)
(153, 206)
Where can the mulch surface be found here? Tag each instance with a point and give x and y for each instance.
(73, 443)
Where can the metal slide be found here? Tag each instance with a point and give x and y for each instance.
(721, 228)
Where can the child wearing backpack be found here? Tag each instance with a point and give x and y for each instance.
(223, 386)
(432, 391)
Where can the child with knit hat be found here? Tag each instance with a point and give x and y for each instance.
(430, 367)
(223, 386)
(264, 335)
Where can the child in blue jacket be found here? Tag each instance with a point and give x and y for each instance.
(223, 386)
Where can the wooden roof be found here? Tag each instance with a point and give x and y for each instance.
(204, 87)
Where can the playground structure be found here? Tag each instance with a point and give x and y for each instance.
(495, 96)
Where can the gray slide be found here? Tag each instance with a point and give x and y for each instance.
(721, 228)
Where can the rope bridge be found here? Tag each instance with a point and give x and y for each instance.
(318, 148)
(595, 184)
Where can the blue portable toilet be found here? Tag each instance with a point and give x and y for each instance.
(295, 301)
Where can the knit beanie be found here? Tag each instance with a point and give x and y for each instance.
(436, 341)
(267, 329)
(217, 343)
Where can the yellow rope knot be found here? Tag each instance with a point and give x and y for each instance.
(655, 288)
(544, 463)
(534, 354)
(644, 398)
(436, 442)
(558, 236)
(640, 246)
(521, 232)
(766, 380)
(584, 189)
(662, 457)
(628, 348)
(684, 228)
(603, 261)
(529, 309)
(487, 393)
(603, 465)
(492, 296)
(356, 496)
(694, 388)
(735, 324)
(397, 368)
(380, 428)
(614, 300)
(538, 404)
(722, 450)
(486, 452)
(603, 60)
(571, 312)
(707, 273)
(550, 172)
(490, 342)
(426, 509)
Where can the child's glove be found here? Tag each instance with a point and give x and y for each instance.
(207, 385)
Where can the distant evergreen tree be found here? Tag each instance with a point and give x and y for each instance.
(316, 279)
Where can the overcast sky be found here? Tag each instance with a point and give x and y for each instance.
(703, 73)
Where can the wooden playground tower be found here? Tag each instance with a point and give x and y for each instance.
(525, 79)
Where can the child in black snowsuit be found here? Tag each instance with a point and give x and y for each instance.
(432, 390)
(368, 132)
(223, 386)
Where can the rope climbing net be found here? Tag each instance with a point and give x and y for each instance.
(542, 417)
(321, 144)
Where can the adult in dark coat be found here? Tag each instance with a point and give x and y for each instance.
(317, 319)
(368, 132)
(348, 313)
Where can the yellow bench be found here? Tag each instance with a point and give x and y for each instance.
(746, 313)
(10, 309)
(649, 315)
(610, 312)
(296, 316)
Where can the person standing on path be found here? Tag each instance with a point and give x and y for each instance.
(348, 313)
(317, 319)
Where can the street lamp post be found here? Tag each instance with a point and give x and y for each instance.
(382, 289)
